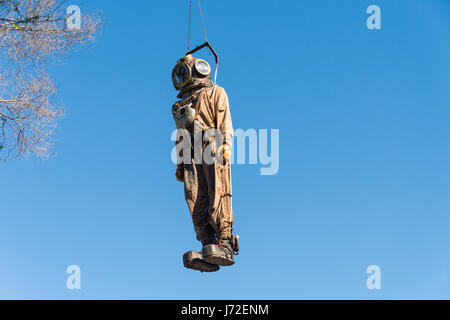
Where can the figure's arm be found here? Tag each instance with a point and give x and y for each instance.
(179, 173)
(223, 122)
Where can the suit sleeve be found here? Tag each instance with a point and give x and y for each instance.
(223, 115)
(178, 140)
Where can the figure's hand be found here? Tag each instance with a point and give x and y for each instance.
(224, 153)
(179, 174)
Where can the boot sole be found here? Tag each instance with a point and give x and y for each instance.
(194, 260)
(213, 254)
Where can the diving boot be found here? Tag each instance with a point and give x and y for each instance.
(194, 260)
(219, 254)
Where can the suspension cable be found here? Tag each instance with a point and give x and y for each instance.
(190, 17)
(203, 22)
(204, 31)
(189, 29)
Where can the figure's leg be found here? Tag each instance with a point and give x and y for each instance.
(197, 201)
(221, 214)
(197, 198)
(221, 209)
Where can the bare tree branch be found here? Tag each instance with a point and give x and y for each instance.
(32, 34)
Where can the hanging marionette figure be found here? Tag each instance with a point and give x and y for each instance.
(204, 143)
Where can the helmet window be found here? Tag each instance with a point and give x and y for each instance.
(202, 67)
(181, 74)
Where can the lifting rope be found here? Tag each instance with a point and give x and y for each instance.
(203, 22)
(189, 29)
(206, 44)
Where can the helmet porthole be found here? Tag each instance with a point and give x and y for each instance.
(202, 67)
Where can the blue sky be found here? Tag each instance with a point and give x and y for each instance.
(364, 157)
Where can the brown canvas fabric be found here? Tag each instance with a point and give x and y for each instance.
(208, 186)
(207, 190)
(217, 114)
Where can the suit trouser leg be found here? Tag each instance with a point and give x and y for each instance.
(221, 211)
(208, 195)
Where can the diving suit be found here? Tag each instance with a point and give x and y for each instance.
(204, 107)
